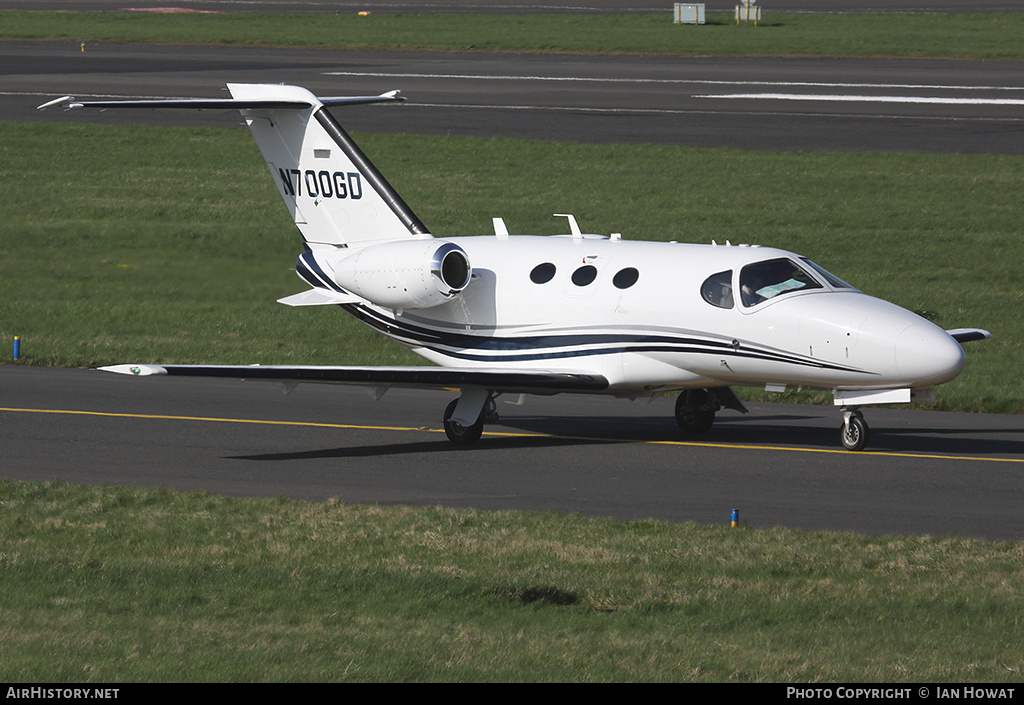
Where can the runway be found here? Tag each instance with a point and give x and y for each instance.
(926, 472)
(972, 107)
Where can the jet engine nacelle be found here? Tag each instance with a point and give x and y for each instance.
(406, 274)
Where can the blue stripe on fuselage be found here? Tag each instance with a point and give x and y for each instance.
(497, 349)
(309, 269)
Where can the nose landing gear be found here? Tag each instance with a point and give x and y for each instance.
(854, 432)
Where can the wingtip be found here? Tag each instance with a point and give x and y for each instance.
(135, 370)
(67, 99)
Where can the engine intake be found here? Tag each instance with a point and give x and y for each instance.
(406, 274)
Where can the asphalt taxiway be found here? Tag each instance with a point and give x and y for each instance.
(925, 472)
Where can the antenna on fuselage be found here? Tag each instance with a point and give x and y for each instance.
(574, 227)
(500, 229)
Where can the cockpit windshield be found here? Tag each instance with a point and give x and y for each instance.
(765, 280)
(833, 281)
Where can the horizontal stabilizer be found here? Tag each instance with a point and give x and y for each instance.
(68, 102)
(494, 380)
(966, 335)
(320, 297)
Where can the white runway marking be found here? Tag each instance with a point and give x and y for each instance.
(937, 100)
(669, 111)
(675, 81)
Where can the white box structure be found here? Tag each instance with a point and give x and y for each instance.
(748, 11)
(689, 13)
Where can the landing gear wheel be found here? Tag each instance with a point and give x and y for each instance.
(459, 434)
(854, 432)
(695, 411)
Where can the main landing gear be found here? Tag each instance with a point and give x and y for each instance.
(854, 432)
(695, 408)
(483, 409)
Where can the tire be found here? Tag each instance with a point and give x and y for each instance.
(695, 411)
(459, 434)
(854, 435)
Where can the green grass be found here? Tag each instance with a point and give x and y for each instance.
(129, 244)
(115, 585)
(956, 35)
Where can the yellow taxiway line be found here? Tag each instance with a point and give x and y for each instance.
(507, 434)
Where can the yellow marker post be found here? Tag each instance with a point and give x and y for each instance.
(735, 518)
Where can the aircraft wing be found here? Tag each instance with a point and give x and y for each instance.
(494, 380)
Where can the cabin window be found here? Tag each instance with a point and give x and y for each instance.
(717, 289)
(625, 278)
(766, 280)
(584, 275)
(542, 273)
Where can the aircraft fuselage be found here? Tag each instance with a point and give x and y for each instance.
(643, 315)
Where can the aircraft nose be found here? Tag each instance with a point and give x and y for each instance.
(926, 355)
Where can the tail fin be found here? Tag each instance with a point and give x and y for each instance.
(335, 194)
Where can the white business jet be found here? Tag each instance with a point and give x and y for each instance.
(581, 313)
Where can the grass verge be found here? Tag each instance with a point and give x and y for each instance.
(127, 585)
(128, 244)
(955, 35)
